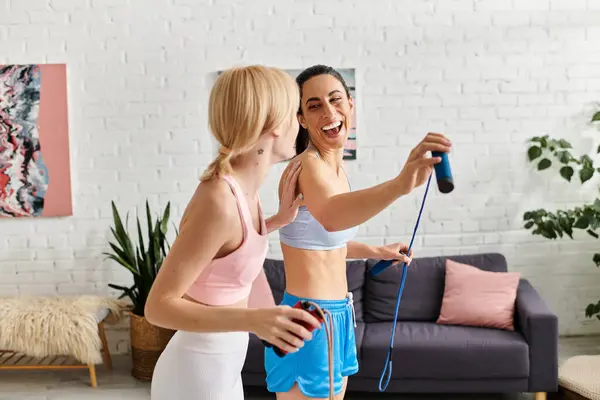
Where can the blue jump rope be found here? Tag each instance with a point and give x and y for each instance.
(445, 185)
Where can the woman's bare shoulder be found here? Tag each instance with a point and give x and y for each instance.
(211, 198)
(306, 158)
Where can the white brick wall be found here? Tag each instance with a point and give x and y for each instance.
(488, 73)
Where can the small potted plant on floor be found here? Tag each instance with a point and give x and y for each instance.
(143, 260)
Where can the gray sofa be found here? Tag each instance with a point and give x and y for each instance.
(432, 358)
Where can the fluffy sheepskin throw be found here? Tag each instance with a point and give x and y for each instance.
(56, 325)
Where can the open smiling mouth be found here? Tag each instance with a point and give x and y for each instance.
(332, 130)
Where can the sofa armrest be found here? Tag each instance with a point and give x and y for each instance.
(539, 326)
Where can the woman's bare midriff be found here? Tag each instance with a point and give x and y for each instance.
(315, 274)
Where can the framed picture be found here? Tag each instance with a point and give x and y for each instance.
(35, 176)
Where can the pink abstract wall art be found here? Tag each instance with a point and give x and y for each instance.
(35, 176)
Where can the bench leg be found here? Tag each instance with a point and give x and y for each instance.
(105, 351)
(93, 380)
(540, 396)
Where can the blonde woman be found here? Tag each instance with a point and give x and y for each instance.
(204, 284)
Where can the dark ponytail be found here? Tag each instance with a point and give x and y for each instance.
(303, 140)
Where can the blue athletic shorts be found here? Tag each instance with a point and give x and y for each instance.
(309, 366)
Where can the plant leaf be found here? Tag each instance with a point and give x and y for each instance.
(592, 233)
(121, 234)
(112, 285)
(587, 161)
(126, 291)
(567, 172)
(548, 233)
(122, 262)
(150, 270)
(122, 254)
(582, 223)
(596, 117)
(150, 231)
(544, 164)
(140, 238)
(165, 219)
(585, 174)
(145, 274)
(597, 259)
(564, 156)
(566, 224)
(534, 152)
(125, 252)
(596, 205)
(564, 144)
(542, 140)
(157, 237)
(592, 309)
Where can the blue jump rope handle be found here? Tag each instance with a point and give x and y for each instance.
(442, 173)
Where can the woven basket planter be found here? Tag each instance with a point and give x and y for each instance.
(147, 343)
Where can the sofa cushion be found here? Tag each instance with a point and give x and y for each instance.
(478, 298)
(355, 275)
(426, 350)
(423, 289)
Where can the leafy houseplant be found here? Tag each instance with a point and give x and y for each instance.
(553, 225)
(143, 260)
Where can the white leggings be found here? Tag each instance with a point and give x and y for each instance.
(201, 366)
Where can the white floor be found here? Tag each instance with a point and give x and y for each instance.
(120, 385)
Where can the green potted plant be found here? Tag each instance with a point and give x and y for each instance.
(560, 223)
(143, 259)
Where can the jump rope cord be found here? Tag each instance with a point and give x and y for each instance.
(388, 361)
(329, 332)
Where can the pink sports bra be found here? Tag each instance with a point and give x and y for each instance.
(229, 279)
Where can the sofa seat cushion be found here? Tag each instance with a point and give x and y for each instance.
(426, 350)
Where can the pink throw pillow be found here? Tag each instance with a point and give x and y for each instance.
(476, 297)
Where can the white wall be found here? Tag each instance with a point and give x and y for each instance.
(489, 73)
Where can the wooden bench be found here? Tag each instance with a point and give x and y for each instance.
(10, 360)
(17, 360)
